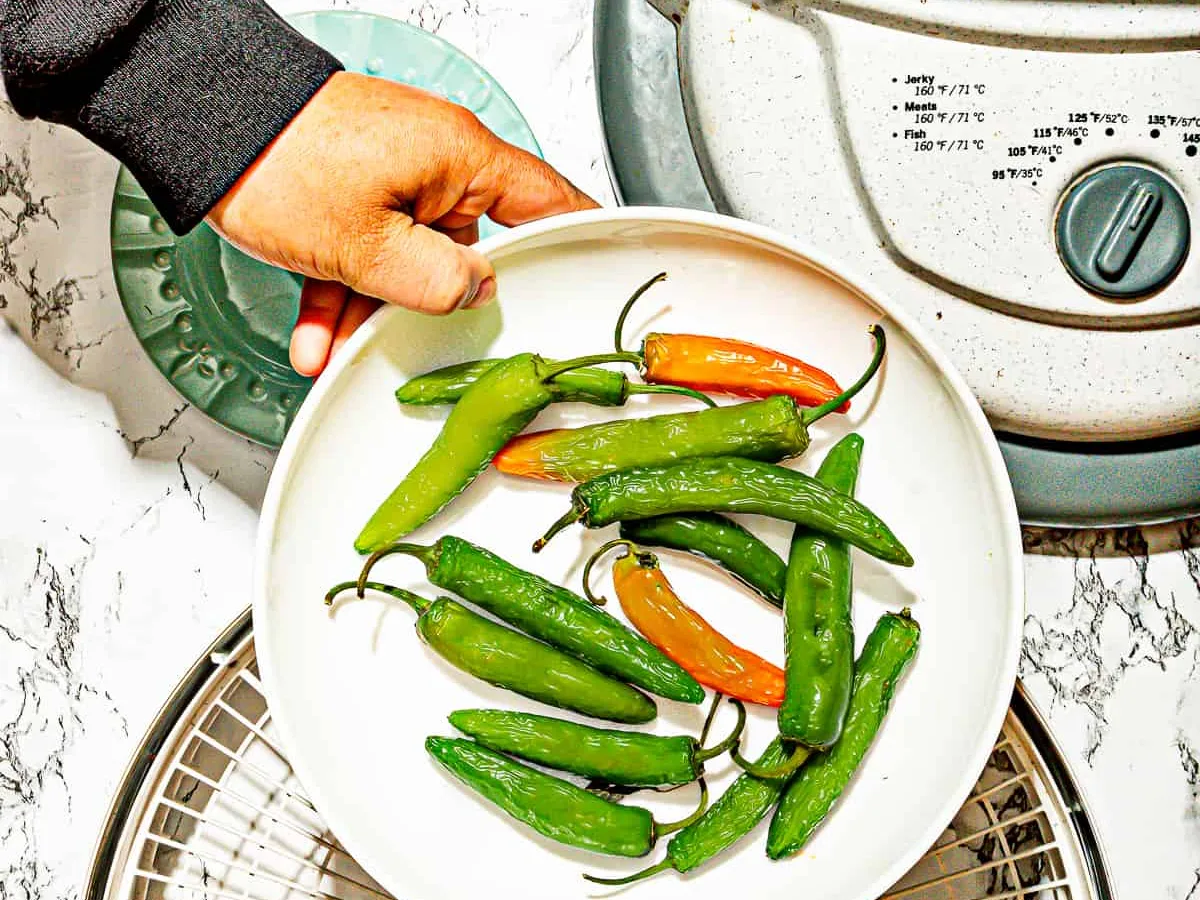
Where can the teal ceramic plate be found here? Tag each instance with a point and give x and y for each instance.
(215, 322)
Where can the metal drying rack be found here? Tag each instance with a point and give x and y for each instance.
(209, 807)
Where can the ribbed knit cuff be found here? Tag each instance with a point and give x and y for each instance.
(189, 94)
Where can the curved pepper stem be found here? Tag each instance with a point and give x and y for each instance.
(570, 517)
(420, 551)
(708, 720)
(730, 743)
(645, 559)
(418, 603)
(595, 359)
(672, 827)
(773, 773)
(808, 416)
(636, 876)
(635, 388)
(617, 332)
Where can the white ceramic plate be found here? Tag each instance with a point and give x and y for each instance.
(354, 693)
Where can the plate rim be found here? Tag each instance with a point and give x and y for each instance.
(511, 242)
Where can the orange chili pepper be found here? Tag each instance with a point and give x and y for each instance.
(683, 634)
(726, 366)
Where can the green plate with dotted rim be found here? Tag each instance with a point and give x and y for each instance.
(214, 321)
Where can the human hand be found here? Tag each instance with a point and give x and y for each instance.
(373, 191)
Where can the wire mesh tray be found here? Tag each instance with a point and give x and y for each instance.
(210, 807)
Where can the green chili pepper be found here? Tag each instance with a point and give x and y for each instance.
(447, 384)
(719, 540)
(615, 757)
(733, 485)
(495, 408)
(509, 659)
(600, 387)
(818, 631)
(770, 429)
(814, 790)
(550, 613)
(889, 647)
(553, 807)
(730, 818)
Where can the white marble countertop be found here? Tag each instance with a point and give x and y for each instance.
(128, 520)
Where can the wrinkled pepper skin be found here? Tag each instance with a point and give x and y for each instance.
(760, 430)
(725, 366)
(818, 628)
(510, 660)
(731, 485)
(732, 817)
(553, 614)
(599, 387)
(770, 429)
(494, 409)
(445, 385)
(735, 813)
(550, 806)
(816, 787)
(719, 540)
(616, 757)
(684, 635)
(808, 794)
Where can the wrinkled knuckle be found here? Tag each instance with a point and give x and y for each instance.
(466, 119)
(474, 138)
(359, 253)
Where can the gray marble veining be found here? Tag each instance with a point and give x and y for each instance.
(1112, 625)
(1111, 653)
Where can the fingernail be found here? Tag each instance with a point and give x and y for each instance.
(469, 297)
(485, 295)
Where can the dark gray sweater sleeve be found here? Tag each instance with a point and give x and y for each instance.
(186, 93)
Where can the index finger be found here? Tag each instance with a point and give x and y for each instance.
(529, 189)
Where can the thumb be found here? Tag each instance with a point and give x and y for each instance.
(528, 188)
(421, 269)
